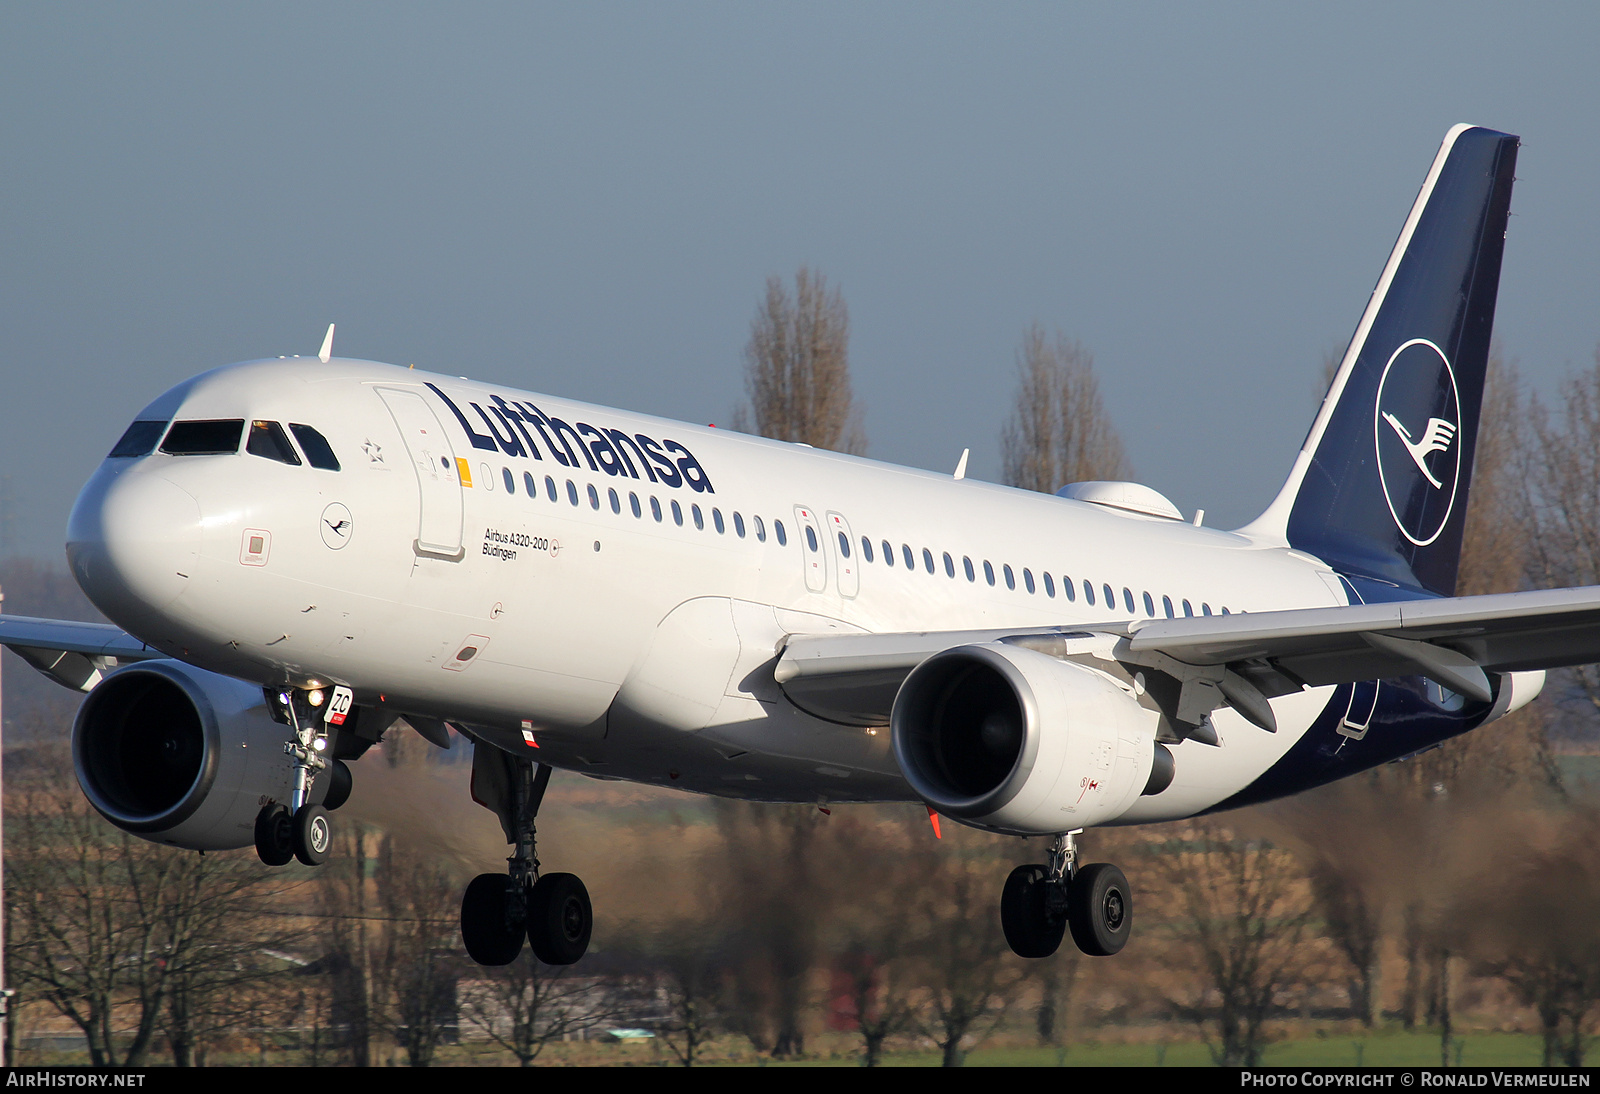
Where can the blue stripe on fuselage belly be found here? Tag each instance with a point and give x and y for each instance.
(1404, 721)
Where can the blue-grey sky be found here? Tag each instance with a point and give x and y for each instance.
(586, 200)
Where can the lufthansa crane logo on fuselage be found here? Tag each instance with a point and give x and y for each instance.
(1415, 425)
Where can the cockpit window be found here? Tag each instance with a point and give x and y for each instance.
(318, 452)
(268, 439)
(204, 438)
(139, 440)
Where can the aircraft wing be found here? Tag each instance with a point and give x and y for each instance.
(74, 655)
(1241, 660)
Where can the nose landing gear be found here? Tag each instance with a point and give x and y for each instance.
(1040, 903)
(498, 910)
(300, 829)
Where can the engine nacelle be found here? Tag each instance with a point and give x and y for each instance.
(1013, 740)
(182, 756)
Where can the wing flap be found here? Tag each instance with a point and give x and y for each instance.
(1455, 641)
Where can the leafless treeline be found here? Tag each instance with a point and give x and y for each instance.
(1462, 882)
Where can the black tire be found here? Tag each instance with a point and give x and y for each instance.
(1100, 909)
(492, 924)
(313, 835)
(274, 835)
(560, 919)
(340, 783)
(1026, 916)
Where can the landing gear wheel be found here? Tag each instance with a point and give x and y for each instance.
(1032, 927)
(560, 919)
(274, 835)
(492, 922)
(1100, 909)
(313, 835)
(340, 783)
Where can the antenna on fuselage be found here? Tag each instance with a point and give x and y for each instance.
(961, 466)
(326, 352)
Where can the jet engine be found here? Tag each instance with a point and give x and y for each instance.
(1013, 740)
(182, 756)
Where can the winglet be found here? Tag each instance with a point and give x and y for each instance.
(325, 354)
(961, 466)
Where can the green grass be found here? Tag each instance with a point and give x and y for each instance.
(1384, 1049)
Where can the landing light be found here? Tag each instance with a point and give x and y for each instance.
(315, 697)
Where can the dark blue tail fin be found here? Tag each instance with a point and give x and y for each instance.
(1380, 486)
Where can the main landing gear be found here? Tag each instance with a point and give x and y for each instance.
(499, 910)
(300, 829)
(1041, 902)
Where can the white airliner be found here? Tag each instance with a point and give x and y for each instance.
(297, 553)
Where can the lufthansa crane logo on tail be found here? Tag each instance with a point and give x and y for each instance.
(1415, 430)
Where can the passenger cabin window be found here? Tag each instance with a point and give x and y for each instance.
(866, 548)
(777, 530)
(1111, 597)
(633, 503)
(319, 453)
(699, 518)
(905, 553)
(927, 560)
(594, 497)
(1188, 610)
(1011, 578)
(1149, 606)
(1127, 599)
(204, 438)
(1088, 593)
(550, 487)
(616, 502)
(844, 545)
(988, 572)
(677, 514)
(761, 529)
(139, 440)
(888, 554)
(738, 526)
(811, 538)
(716, 520)
(966, 564)
(530, 485)
(1027, 579)
(1166, 605)
(655, 508)
(949, 565)
(267, 439)
(1050, 586)
(511, 483)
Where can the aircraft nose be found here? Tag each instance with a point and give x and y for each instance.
(133, 541)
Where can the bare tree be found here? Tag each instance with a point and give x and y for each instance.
(1551, 959)
(105, 925)
(1059, 431)
(1562, 481)
(417, 965)
(775, 881)
(1242, 919)
(968, 974)
(525, 1005)
(797, 367)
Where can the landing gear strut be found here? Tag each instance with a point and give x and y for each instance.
(499, 910)
(1041, 902)
(300, 829)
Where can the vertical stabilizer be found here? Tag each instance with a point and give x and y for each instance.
(1380, 486)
